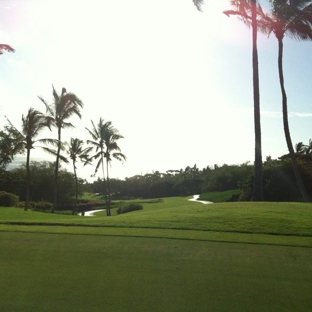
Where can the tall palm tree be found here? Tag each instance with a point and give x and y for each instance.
(241, 10)
(112, 150)
(293, 18)
(76, 151)
(63, 107)
(98, 134)
(6, 47)
(32, 124)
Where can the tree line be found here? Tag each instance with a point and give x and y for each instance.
(279, 182)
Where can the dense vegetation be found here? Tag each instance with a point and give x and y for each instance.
(279, 182)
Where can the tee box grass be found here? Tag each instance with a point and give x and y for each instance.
(174, 255)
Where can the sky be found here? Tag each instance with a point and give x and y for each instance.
(175, 82)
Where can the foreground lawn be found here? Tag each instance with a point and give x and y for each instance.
(174, 255)
(62, 272)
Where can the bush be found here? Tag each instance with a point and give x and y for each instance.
(8, 199)
(37, 206)
(43, 206)
(129, 208)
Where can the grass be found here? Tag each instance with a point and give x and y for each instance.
(219, 197)
(289, 219)
(59, 272)
(174, 255)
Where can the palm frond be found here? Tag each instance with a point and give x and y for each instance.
(67, 125)
(64, 159)
(52, 142)
(6, 47)
(198, 4)
(291, 18)
(98, 166)
(49, 109)
(55, 95)
(49, 150)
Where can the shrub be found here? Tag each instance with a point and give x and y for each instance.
(8, 199)
(43, 206)
(37, 206)
(129, 208)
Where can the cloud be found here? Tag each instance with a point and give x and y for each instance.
(271, 114)
(304, 115)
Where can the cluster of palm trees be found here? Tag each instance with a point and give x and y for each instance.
(286, 17)
(104, 141)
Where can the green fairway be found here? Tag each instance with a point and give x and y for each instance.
(174, 255)
(292, 219)
(59, 272)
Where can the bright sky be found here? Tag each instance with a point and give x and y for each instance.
(176, 83)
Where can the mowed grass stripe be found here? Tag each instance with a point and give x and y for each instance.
(44, 272)
(166, 233)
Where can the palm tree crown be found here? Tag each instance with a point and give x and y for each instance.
(64, 106)
(98, 134)
(288, 17)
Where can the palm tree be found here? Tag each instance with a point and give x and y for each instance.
(32, 124)
(112, 150)
(309, 148)
(293, 18)
(64, 106)
(300, 148)
(9, 136)
(76, 151)
(98, 134)
(241, 8)
(6, 47)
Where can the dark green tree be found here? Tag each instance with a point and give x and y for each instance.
(9, 148)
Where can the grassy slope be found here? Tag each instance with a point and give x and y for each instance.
(289, 219)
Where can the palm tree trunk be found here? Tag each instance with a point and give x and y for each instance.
(258, 176)
(105, 190)
(299, 180)
(28, 180)
(56, 171)
(108, 187)
(76, 184)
